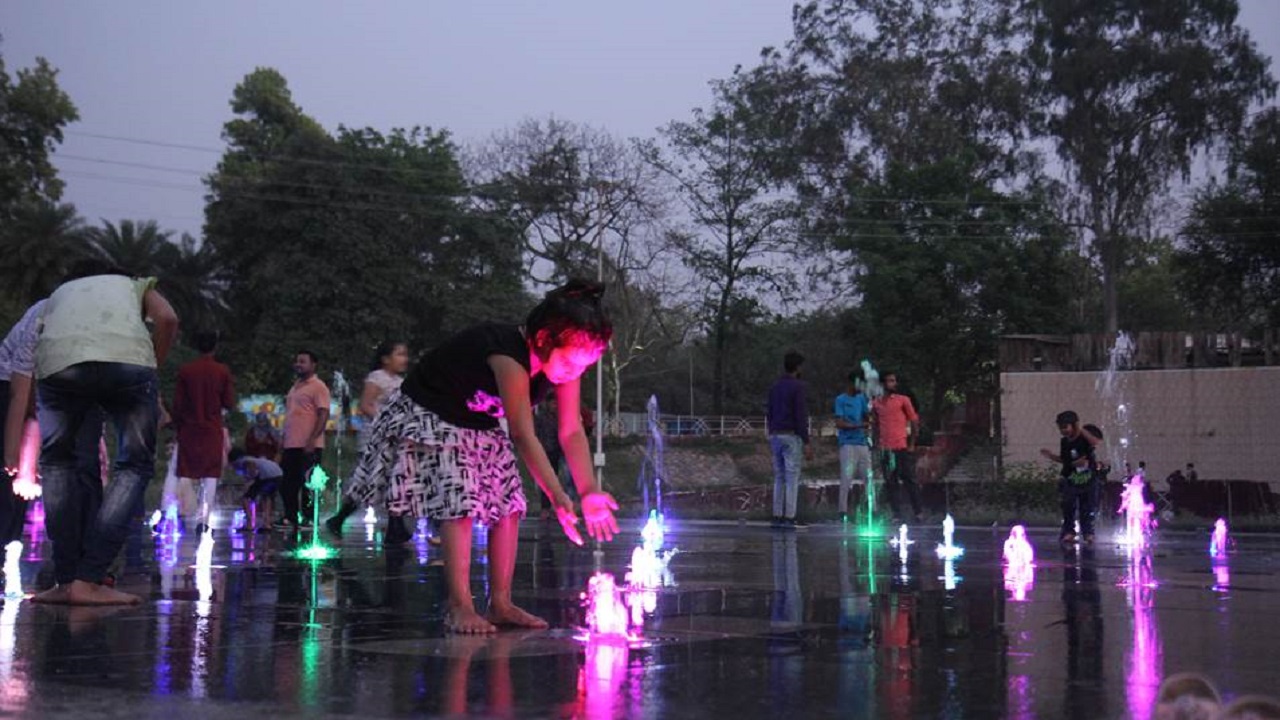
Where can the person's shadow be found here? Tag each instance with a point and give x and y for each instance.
(1082, 603)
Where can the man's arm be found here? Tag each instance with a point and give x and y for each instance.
(165, 323)
(229, 393)
(20, 397)
(322, 420)
(913, 423)
(801, 414)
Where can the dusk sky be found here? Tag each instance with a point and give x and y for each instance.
(160, 71)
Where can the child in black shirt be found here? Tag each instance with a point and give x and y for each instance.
(1078, 484)
(437, 449)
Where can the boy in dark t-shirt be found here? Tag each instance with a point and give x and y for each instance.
(1078, 481)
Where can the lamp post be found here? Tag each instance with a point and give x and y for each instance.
(601, 189)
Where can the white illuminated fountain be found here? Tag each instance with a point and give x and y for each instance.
(13, 570)
(653, 470)
(902, 541)
(948, 550)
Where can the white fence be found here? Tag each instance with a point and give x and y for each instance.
(704, 425)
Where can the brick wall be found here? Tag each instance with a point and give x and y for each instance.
(1225, 420)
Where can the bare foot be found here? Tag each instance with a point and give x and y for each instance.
(56, 595)
(86, 593)
(510, 616)
(466, 621)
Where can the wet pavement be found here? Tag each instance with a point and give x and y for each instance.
(754, 623)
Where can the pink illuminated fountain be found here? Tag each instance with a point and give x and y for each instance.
(607, 614)
(1019, 563)
(1218, 544)
(1137, 513)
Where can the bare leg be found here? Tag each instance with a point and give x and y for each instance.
(502, 568)
(462, 617)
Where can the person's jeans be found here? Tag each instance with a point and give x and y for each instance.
(855, 465)
(87, 525)
(899, 468)
(1082, 499)
(296, 463)
(787, 451)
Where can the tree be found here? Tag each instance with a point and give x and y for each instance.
(585, 204)
(338, 242)
(42, 242)
(742, 232)
(1229, 264)
(33, 112)
(1129, 91)
(899, 126)
(139, 247)
(573, 192)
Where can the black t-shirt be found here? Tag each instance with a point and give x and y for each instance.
(1071, 451)
(454, 380)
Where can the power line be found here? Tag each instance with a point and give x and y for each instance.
(265, 196)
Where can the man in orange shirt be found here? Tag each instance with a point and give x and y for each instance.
(896, 421)
(306, 414)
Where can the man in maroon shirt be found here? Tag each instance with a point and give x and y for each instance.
(204, 390)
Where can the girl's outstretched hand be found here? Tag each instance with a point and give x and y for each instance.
(597, 508)
(568, 517)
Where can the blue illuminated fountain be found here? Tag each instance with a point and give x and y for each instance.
(653, 468)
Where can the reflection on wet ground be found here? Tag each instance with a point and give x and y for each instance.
(757, 623)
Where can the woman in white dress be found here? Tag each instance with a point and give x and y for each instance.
(390, 362)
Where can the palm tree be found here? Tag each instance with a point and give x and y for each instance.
(195, 284)
(41, 245)
(139, 247)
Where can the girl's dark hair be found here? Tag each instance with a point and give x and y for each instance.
(385, 348)
(574, 307)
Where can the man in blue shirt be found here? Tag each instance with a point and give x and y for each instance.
(788, 423)
(852, 412)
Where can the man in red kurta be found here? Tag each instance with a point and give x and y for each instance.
(204, 390)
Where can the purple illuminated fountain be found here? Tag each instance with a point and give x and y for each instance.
(1137, 513)
(1220, 541)
(1019, 563)
(607, 614)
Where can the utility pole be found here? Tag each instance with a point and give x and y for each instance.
(601, 189)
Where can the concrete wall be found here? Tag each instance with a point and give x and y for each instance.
(1225, 420)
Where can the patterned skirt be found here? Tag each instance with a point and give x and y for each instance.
(426, 467)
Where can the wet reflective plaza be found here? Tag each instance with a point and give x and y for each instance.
(757, 623)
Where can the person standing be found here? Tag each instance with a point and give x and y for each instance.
(852, 412)
(262, 440)
(1078, 483)
(896, 422)
(390, 362)
(1192, 475)
(203, 391)
(95, 350)
(787, 420)
(306, 413)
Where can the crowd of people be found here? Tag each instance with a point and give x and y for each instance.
(441, 440)
(888, 422)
